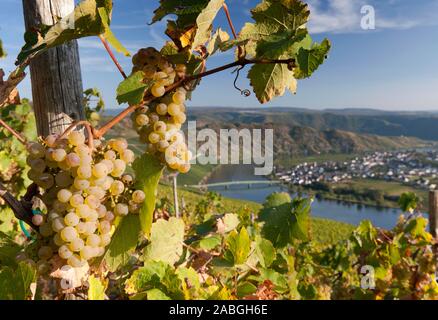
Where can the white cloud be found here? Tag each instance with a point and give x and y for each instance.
(344, 16)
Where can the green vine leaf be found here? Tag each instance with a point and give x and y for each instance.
(204, 22)
(15, 282)
(123, 242)
(270, 80)
(166, 241)
(239, 246)
(8, 250)
(217, 41)
(86, 21)
(265, 252)
(96, 289)
(309, 60)
(132, 89)
(287, 222)
(148, 170)
(109, 35)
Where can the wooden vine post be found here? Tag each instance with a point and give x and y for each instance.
(433, 218)
(56, 74)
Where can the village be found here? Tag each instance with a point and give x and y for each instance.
(413, 168)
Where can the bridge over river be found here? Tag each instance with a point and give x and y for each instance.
(227, 184)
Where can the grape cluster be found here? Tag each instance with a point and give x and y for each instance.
(159, 123)
(83, 190)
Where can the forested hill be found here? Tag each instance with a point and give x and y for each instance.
(421, 125)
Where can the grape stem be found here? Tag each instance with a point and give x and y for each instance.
(98, 133)
(13, 132)
(233, 30)
(22, 208)
(113, 57)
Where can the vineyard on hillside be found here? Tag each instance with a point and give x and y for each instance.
(83, 216)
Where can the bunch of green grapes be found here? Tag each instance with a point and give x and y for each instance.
(83, 190)
(159, 124)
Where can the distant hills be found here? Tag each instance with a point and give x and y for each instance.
(422, 125)
(312, 132)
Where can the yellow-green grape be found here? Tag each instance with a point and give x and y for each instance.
(81, 227)
(174, 109)
(68, 234)
(71, 219)
(154, 117)
(84, 172)
(87, 253)
(58, 224)
(76, 138)
(85, 160)
(81, 184)
(93, 240)
(119, 168)
(64, 252)
(76, 200)
(142, 120)
(45, 253)
(133, 207)
(184, 168)
(64, 166)
(179, 97)
(73, 160)
(101, 211)
(128, 156)
(109, 216)
(76, 261)
(138, 196)
(161, 109)
(117, 188)
(110, 155)
(154, 137)
(100, 170)
(160, 127)
(163, 145)
(76, 245)
(109, 164)
(105, 240)
(121, 209)
(83, 211)
(105, 226)
(119, 144)
(92, 216)
(92, 201)
(59, 155)
(91, 227)
(180, 117)
(158, 90)
(64, 195)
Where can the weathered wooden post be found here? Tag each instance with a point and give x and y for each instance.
(56, 74)
(433, 213)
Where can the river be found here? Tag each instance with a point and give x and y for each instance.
(329, 209)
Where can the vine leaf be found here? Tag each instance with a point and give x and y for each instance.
(265, 252)
(96, 289)
(286, 222)
(166, 241)
(84, 21)
(148, 171)
(217, 41)
(239, 246)
(132, 89)
(15, 282)
(270, 80)
(123, 242)
(308, 60)
(109, 35)
(204, 22)
(8, 248)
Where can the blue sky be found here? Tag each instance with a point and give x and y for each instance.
(394, 67)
